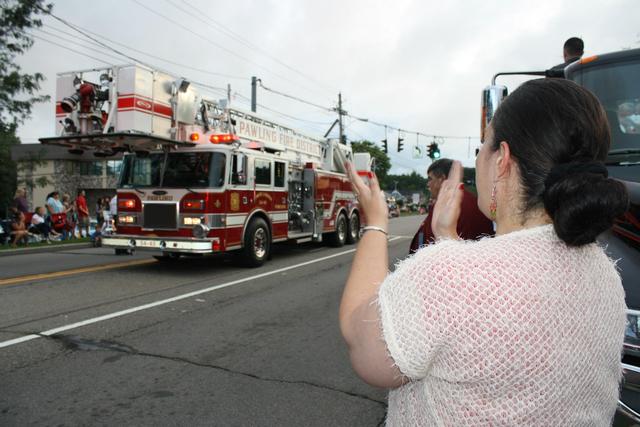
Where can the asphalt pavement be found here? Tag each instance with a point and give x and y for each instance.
(90, 338)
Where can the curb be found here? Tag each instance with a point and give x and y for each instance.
(43, 249)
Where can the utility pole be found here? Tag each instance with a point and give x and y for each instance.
(254, 101)
(340, 113)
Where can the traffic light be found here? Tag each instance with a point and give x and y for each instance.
(434, 151)
(400, 148)
(384, 146)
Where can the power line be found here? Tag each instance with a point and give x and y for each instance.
(295, 98)
(88, 36)
(70, 49)
(219, 46)
(74, 43)
(312, 124)
(168, 61)
(361, 119)
(211, 22)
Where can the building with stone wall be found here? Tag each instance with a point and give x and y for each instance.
(43, 169)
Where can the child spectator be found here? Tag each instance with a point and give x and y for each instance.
(96, 236)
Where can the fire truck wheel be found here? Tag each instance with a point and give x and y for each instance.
(354, 229)
(339, 237)
(257, 243)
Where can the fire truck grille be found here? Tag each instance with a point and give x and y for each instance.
(160, 215)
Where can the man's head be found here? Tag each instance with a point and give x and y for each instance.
(81, 193)
(436, 174)
(573, 48)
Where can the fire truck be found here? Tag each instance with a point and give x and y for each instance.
(200, 177)
(613, 78)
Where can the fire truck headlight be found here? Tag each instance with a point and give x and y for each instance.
(127, 219)
(200, 231)
(190, 220)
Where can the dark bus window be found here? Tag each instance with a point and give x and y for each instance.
(263, 172)
(279, 170)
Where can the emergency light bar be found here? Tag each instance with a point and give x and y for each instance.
(224, 138)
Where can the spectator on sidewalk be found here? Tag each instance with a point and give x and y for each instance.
(40, 226)
(99, 210)
(83, 213)
(19, 231)
(113, 213)
(472, 224)
(96, 236)
(70, 220)
(54, 205)
(20, 203)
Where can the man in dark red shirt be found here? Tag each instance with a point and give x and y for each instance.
(472, 223)
(83, 213)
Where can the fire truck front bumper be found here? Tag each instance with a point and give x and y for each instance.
(163, 244)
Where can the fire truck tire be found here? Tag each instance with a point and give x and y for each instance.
(257, 243)
(339, 237)
(353, 234)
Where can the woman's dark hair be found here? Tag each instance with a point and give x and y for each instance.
(558, 134)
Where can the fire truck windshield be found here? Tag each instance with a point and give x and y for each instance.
(618, 88)
(181, 170)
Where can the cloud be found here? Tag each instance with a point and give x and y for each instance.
(415, 65)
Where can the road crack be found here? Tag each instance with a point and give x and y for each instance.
(75, 343)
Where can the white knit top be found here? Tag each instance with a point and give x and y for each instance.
(519, 329)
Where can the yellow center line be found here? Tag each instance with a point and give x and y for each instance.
(53, 275)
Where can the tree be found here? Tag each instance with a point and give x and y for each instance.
(407, 184)
(18, 90)
(383, 164)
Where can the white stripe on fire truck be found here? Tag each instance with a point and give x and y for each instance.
(277, 217)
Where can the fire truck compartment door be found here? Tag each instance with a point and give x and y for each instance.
(119, 141)
(309, 204)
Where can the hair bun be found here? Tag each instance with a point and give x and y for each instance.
(561, 171)
(582, 201)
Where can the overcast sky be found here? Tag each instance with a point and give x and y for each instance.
(416, 65)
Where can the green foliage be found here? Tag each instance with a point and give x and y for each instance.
(18, 89)
(383, 164)
(406, 184)
(7, 166)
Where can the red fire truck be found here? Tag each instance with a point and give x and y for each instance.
(199, 177)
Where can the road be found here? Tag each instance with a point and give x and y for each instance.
(90, 338)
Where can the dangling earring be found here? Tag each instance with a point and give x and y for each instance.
(493, 206)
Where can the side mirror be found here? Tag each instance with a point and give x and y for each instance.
(492, 96)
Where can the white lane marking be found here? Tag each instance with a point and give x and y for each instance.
(167, 301)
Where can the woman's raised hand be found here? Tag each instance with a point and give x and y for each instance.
(449, 204)
(370, 198)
